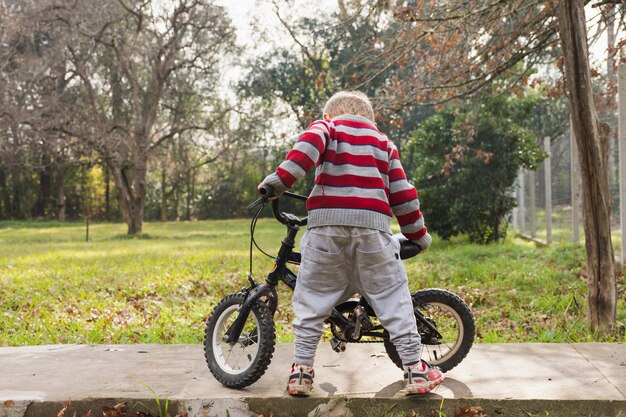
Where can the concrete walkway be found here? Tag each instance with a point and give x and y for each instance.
(503, 379)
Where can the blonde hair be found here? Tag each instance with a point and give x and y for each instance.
(349, 102)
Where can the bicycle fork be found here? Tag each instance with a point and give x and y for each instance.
(253, 295)
(256, 291)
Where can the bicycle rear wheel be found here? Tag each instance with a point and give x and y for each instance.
(452, 319)
(243, 362)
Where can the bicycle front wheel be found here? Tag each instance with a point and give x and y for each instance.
(239, 364)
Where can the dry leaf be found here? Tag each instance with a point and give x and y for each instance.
(473, 411)
(61, 413)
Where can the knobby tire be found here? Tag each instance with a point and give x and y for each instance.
(265, 335)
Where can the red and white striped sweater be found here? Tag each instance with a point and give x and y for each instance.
(359, 180)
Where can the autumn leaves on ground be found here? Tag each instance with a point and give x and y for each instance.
(123, 410)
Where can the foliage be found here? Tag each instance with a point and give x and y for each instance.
(467, 157)
(115, 83)
(332, 51)
(159, 289)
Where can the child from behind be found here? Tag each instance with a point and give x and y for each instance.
(348, 247)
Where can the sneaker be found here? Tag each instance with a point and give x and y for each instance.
(421, 378)
(300, 380)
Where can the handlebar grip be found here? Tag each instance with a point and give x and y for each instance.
(266, 191)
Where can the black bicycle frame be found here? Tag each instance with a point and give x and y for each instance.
(280, 272)
(256, 291)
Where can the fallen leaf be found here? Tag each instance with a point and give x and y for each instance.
(66, 404)
(474, 411)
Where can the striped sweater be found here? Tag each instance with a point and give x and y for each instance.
(359, 180)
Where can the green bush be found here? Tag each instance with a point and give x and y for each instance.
(467, 158)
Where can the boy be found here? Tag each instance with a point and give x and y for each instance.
(359, 185)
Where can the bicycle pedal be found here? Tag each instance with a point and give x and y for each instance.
(362, 317)
(337, 345)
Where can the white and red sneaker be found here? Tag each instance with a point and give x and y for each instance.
(421, 378)
(300, 380)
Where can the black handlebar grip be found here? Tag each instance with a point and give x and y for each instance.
(266, 191)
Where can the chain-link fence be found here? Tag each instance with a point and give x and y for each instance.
(549, 200)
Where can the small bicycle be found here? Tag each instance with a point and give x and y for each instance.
(240, 337)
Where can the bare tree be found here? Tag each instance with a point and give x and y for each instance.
(28, 93)
(130, 64)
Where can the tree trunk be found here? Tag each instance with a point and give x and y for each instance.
(107, 192)
(163, 196)
(592, 141)
(609, 18)
(16, 199)
(24, 198)
(86, 192)
(5, 198)
(60, 192)
(131, 189)
(45, 185)
(176, 196)
(191, 180)
(140, 191)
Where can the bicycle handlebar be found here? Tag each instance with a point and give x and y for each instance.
(408, 249)
(284, 218)
(266, 191)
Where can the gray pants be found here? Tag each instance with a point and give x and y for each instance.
(338, 261)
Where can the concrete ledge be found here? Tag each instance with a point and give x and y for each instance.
(566, 380)
(337, 406)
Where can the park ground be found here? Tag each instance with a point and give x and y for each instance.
(59, 289)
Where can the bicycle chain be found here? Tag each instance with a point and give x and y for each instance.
(361, 341)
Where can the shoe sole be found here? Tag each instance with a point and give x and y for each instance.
(423, 389)
(299, 390)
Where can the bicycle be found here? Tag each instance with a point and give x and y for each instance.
(240, 336)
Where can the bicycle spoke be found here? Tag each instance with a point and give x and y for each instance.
(447, 327)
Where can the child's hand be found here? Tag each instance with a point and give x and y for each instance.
(424, 242)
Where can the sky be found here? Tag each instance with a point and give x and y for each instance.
(242, 13)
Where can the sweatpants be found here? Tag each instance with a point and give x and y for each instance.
(338, 261)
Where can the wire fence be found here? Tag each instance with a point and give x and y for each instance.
(549, 200)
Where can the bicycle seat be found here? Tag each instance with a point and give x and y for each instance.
(408, 249)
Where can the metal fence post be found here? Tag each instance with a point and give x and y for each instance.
(522, 209)
(547, 167)
(532, 183)
(575, 183)
(621, 135)
(515, 211)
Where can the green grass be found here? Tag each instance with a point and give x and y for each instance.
(57, 288)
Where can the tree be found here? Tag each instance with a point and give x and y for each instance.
(328, 52)
(468, 156)
(133, 64)
(592, 139)
(32, 160)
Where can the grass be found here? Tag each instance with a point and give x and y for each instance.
(57, 288)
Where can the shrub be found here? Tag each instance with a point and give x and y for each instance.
(467, 159)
